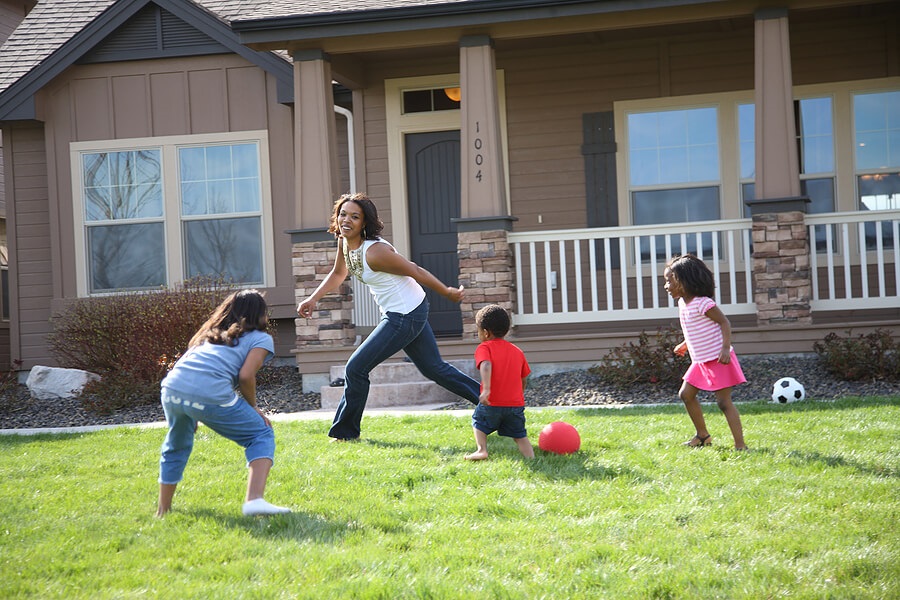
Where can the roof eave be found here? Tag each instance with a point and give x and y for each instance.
(463, 14)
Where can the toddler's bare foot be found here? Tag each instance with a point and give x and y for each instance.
(478, 455)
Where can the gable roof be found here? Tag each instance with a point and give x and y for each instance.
(56, 33)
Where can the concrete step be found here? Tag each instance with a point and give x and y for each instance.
(385, 395)
(393, 384)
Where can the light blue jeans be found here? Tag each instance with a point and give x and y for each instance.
(412, 334)
(237, 421)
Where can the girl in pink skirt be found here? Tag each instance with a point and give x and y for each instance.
(707, 337)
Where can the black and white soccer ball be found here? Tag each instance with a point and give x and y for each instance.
(787, 389)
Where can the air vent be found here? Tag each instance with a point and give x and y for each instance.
(153, 33)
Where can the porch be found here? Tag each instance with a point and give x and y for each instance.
(577, 293)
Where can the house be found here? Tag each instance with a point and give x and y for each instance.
(551, 155)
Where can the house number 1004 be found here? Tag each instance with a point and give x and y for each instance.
(478, 143)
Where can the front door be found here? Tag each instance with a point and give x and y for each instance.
(433, 184)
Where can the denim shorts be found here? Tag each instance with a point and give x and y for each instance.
(508, 421)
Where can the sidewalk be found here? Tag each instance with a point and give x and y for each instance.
(306, 415)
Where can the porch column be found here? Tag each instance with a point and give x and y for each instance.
(781, 268)
(483, 190)
(315, 187)
(777, 166)
(485, 259)
(486, 266)
(315, 147)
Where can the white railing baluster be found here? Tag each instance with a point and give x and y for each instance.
(829, 259)
(534, 284)
(608, 274)
(592, 253)
(562, 282)
(813, 264)
(654, 276)
(863, 264)
(879, 258)
(748, 266)
(579, 292)
(670, 302)
(638, 274)
(623, 272)
(845, 233)
(732, 267)
(715, 262)
(520, 294)
(548, 284)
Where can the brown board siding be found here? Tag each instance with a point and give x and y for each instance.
(31, 283)
(144, 99)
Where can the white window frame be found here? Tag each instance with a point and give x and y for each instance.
(172, 218)
(729, 166)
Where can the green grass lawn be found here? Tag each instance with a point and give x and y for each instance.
(811, 512)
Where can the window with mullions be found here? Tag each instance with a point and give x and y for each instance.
(876, 120)
(430, 100)
(123, 215)
(673, 162)
(815, 147)
(140, 208)
(220, 209)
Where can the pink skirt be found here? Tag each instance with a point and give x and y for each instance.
(713, 375)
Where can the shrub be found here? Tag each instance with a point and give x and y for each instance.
(871, 356)
(131, 340)
(650, 360)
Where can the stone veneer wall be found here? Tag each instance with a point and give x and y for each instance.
(781, 269)
(332, 324)
(486, 271)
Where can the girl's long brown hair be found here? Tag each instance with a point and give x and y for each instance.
(240, 312)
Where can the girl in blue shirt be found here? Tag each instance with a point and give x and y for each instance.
(222, 358)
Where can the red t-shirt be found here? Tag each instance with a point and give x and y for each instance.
(508, 368)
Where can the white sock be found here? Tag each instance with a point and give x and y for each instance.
(261, 507)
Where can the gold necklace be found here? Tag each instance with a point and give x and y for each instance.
(354, 260)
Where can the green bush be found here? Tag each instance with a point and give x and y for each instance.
(131, 340)
(650, 360)
(871, 356)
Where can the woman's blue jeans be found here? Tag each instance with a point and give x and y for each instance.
(412, 334)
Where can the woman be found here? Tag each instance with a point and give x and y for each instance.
(396, 284)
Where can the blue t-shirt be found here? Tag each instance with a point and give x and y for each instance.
(209, 372)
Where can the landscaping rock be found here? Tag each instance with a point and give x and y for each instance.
(48, 383)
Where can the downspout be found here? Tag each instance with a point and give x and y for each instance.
(350, 146)
(358, 290)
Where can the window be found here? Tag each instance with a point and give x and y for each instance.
(814, 123)
(876, 120)
(123, 214)
(673, 170)
(153, 214)
(430, 100)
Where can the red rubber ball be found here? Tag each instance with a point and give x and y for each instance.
(560, 438)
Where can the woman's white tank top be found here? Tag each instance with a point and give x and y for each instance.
(393, 293)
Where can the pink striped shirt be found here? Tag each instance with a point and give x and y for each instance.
(702, 334)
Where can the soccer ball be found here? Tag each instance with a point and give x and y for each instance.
(787, 389)
(559, 437)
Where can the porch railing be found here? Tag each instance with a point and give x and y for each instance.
(615, 273)
(855, 260)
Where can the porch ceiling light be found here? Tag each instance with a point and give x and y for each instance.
(453, 93)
